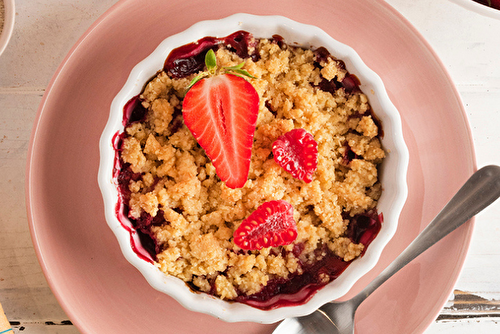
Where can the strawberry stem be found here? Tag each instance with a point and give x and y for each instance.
(211, 64)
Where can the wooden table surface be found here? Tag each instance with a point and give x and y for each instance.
(467, 43)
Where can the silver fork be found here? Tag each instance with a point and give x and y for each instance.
(482, 189)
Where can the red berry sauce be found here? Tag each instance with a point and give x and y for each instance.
(490, 3)
(190, 58)
(133, 111)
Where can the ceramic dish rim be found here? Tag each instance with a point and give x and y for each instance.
(478, 8)
(379, 99)
(8, 24)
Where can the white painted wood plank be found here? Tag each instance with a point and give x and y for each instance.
(44, 32)
(481, 326)
(24, 292)
(42, 328)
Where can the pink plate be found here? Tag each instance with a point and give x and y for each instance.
(102, 293)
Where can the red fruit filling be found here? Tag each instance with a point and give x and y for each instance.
(133, 111)
(190, 58)
(490, 3)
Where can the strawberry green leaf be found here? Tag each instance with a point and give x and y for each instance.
(211, 61)
(238, 70)
(196, 79)
(244, 73)
(235, 67)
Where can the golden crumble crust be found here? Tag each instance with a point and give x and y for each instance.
(179, 182)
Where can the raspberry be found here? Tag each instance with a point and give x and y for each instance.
(297, 152)
(271, 225)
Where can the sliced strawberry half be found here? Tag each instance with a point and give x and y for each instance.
(297, 152)
(221, 112)
(271, 225)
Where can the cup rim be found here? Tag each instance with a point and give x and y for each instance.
(479, 8)
(8, 24)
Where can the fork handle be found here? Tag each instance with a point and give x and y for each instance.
(480, 190)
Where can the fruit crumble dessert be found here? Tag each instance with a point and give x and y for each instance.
(490, 3)
(249, 168)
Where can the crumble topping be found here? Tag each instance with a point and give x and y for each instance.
(193, 214)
